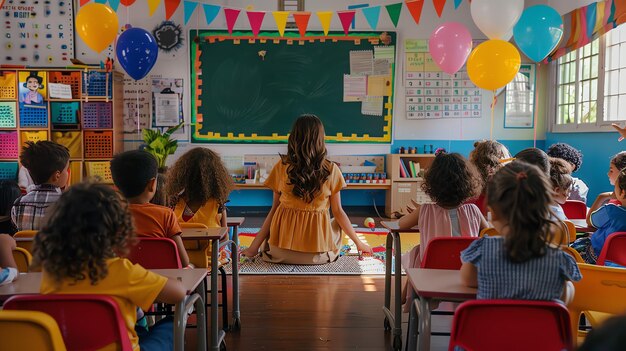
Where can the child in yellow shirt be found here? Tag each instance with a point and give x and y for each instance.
(80, 249)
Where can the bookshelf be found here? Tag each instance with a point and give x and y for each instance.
(406, 181)
(89, 123)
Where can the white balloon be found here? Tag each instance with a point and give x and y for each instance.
(496, 18)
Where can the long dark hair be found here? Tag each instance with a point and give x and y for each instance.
(89, 224)
(307, 166)
(521, 194)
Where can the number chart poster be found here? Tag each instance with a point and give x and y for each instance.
(431, 93)
(37, 32)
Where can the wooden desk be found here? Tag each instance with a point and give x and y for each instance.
(235, 222)
(213, 234)
(192, 279)
(432, 285)
(582, 226)
(394, 320)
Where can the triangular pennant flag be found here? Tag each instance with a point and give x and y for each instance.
(415, 8)
(591, 18)
(325, 18)
(127, 2)
(256, 20)
(152, 6)
(394, 12)
(114, 4)
(82, 2)
(231, 18)
(346, 18)
(281, 20)
(302, 21)
(371, 15)
(439, 4)
(189, 7)
(170, 7)
(457, 3)
(210, 12)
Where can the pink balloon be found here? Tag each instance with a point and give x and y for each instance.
(450, 46)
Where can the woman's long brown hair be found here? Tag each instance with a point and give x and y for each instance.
(307, 166)
(521, 193)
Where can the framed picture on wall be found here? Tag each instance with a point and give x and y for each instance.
(519, 107)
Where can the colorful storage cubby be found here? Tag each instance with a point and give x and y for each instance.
(8, 85)
(64, 112)
(8, 170)
(76, 172)
(8, 111)
(33, 135)
(72, 79)
(97, 84)
(70, 140)
(99, 170)
(33, 117)
(97, 115)
(9, 148)
(98, 144)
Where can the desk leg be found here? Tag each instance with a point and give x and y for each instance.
(215, 336)
(424, 324)
(235, 264)
(397, 329)
(179, 325)
(411, 335)
(201, 309)
(388, 253)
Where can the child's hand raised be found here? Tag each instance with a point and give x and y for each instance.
(620, 130)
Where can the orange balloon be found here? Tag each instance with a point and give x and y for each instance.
(97, 25)
(493, 64)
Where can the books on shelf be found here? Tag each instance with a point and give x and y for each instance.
(409, 169)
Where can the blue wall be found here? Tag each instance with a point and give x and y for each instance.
(597, 149)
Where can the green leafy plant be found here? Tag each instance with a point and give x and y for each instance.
(160, 145)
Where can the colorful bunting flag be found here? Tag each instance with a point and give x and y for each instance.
(302, 21)
(280, 17)
(210, 12)
(325, 18)
(457, 3)
(371, 15)
(346, 18)
(591, 19)
(170, 7)
(256, 20)
(354, 7)
(439, 4)
(231, 18)
(189, 7)
(152, 6)
(394, 11)
(415, 8)
(127, 2)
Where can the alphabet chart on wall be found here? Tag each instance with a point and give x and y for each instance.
(37, 33)
(431, 93)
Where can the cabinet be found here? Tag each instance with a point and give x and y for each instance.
(405, 186)
(89, 123)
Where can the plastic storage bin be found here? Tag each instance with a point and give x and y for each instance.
(8, 170)
(33, 135)
(73, 79)
(64, 112)
(95, 84)
(97, 115)
(98, 144)
(71, 140)
(9, 148)
(99, 170)
(8, 114)
(33, 117)
(8, 85)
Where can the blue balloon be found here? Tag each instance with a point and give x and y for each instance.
(538, 31)
(137, 52)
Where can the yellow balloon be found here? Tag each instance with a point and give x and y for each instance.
(97, 25)
(493, 64)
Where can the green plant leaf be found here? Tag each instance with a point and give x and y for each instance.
(171, 130)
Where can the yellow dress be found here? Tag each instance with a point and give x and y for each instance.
(300, 232)
(199, 252)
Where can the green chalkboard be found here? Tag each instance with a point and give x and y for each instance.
(240, 96)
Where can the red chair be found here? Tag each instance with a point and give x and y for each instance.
(575, 209)
(614, 250)
(445, 252)
(155, 253)
(87, 322)
(488, 325)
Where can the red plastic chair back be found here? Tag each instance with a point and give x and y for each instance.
(87, 322)
(445, 252)
(155, 253)
(486, 325)
(614, 250)
(575, 209)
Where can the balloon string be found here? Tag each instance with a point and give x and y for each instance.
(127, 14)
(137, 114)
(535, 103)
(493, 106)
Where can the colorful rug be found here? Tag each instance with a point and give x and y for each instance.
(348, 264)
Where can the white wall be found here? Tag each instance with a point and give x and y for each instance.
(177, 65)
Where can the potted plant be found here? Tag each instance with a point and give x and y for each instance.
(160, 145)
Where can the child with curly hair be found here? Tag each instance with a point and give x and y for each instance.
(449, 182)
(487, 157)
(80, 250)
(561, 185)
(197, 187)
(574, 159)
